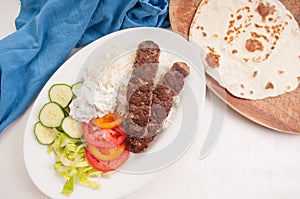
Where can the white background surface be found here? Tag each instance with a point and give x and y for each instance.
(249, 161)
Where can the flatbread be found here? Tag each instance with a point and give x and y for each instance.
(250, 47)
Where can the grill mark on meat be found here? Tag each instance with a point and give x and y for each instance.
(140, 87)
(162, 102)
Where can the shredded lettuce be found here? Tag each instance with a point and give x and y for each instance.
(70, 162)
(69, 186)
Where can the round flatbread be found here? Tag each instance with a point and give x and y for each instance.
(250, 47)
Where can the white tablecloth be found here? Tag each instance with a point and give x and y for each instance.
(249, 161)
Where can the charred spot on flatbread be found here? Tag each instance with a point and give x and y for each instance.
(254, 74)
(212, 60)
(253, 45)
(234, 51)
(269, 85)
(264, 10)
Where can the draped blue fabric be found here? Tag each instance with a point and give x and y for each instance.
(48, 30)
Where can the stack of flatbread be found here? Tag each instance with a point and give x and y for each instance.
(252, 49)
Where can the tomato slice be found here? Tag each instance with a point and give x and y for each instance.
(108, 121)
(103, 138)
(110, 165)
(106, 153)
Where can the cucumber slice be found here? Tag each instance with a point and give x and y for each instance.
(51, 115)
(61, 94)
(76, 88)
(43, 134)
(72, 127)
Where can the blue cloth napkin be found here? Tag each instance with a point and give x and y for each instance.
(48, 30)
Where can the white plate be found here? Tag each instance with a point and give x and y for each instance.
(139, 169)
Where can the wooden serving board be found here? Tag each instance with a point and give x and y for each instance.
(281, 113)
